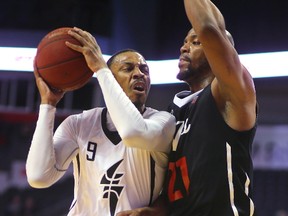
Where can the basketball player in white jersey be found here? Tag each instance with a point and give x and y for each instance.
(119, 152)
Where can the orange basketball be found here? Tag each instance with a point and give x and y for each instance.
(61, 67)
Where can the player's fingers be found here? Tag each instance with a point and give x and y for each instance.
(94, 39)
(82, 39)
(76, 36)
(38, 78)
(123, 214)
(128, 213)
(81, 32)
(41, 84)
(85, 41)
(77, 29)
(74, 46)
(82, 36)
(36, 73)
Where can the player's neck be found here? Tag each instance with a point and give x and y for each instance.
(141, 108)
(196, 85)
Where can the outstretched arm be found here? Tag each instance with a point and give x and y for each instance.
(233, 88)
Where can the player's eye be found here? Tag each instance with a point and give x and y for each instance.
(144, 69)
(128, 68)
(196, 43)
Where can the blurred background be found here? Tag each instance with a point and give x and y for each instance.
(156, 29)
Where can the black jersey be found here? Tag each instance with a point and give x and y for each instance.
(210, 168)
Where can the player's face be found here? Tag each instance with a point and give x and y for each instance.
(132, 73)
(192, 61)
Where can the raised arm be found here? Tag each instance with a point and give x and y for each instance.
(233, 88)
(47, 159)
(155, 133)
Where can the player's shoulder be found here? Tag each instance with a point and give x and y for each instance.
(184, 97)
(151, 113)
(87, 115)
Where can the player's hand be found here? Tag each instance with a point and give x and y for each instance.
(48, 95)
(90, 48)
(134, 212)
(146, 211)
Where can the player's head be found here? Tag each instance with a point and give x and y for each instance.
(193, 64)
(132, 73)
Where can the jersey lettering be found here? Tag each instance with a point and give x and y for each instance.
(186, 127)
(91, 149)
(178, 174)
(181, 128)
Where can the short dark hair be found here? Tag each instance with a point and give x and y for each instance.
(111, 59)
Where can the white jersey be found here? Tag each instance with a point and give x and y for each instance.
(110, 177)
(113, 171)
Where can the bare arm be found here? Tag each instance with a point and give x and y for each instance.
(233, 88)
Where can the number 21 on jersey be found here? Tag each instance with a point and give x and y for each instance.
(178, 175)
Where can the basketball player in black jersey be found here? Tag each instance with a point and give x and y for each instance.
(210, 167)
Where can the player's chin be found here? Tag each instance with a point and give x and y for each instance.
(139, 96)
(181, 75)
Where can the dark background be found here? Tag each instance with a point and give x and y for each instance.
(156, 28)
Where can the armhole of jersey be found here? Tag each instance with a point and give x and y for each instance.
(113, 136)
(78, 164)
(153, 175)
(78, 169)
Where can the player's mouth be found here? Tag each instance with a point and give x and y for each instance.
(183, 61)
(139, 86)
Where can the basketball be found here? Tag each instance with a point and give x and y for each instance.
(59, 66)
